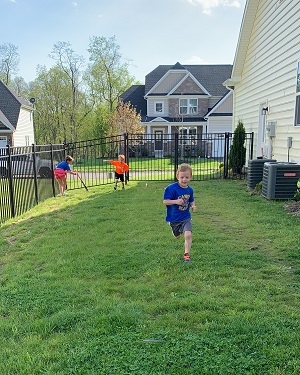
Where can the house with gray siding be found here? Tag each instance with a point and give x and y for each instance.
(186, 99)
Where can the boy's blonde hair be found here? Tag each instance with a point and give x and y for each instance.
(122, 157)
(184, 167)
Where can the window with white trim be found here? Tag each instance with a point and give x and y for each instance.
(159, 107)
(188, 106)
(297, 109)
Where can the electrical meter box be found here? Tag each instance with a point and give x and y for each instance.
(270, 128)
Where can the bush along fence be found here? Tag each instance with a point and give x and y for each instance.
(26, 173)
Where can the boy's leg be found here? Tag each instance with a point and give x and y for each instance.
(187, 241)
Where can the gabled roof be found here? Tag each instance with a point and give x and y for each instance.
(243, 41)
(135, 95)
(5, 125)
(210, 77)
(189, 75)
(11, 103)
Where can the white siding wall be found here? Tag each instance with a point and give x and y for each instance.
(269, 74)
(219, 124)
(24, 130)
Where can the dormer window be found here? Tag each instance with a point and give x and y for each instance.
(158, 108)
(188, 106)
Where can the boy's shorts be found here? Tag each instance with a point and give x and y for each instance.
(119, 176)
(179, 227)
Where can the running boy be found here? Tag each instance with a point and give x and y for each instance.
(178, 198)
(60, 173)
(121, 168)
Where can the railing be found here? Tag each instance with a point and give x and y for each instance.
(26, 173)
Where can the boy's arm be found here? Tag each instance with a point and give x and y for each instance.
(170, 202)
(193, 206)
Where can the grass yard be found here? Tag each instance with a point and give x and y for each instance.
(93, 283)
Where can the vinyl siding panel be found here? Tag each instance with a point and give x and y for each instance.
(213, 100)
(24, 134)
(269, 74)
(219, 124)
(169, 82)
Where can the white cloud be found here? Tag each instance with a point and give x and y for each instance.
(194, 60)
(208, 5)
(74, 4)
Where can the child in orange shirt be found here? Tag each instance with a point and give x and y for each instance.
(121, 168)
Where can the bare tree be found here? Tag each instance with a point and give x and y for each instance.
(9, 61)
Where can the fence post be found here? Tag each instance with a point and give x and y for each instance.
(226, 154)
(52, 168)
(36, 194)
(10, 182)
(176, 155)
(126, 153)
(251, 148)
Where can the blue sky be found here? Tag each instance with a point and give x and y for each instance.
(149, 32)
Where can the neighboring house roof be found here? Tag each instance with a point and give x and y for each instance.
(11, 103)
(210, 77)
(135, 95)
(171, 119)
(5, 125)
(243, 42)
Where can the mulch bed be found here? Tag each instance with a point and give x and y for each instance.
(293, 208)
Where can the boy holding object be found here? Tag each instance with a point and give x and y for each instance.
(121, 168)
(60, 173)
(178, 198)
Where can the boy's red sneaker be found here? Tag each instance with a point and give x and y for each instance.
(186, 257)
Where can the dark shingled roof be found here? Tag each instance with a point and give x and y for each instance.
(10, 104)
(135, 95)
(211, 77)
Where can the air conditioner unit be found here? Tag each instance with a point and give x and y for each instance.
(255, 171)
(280, 180)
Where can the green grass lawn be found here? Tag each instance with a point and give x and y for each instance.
(93, 283)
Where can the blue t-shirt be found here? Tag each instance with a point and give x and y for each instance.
(175, 212)
(64, 165)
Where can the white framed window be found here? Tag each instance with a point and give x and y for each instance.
(297, 106)
(188, 106)
(158, 107)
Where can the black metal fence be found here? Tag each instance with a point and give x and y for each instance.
(26, 173)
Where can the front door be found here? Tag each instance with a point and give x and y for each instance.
(158, 143)
(158, 140)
